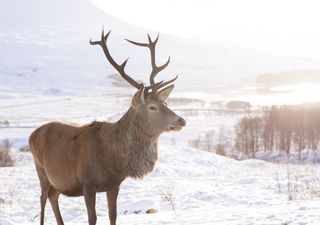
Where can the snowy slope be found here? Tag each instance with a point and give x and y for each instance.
(204, 188)
(44, 50)
(48, 70)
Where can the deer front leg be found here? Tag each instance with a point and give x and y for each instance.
(90, 199)
(112, 196)
(53, 197)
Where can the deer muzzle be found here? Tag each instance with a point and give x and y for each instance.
(178, 125)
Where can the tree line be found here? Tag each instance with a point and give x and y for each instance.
(282, 128)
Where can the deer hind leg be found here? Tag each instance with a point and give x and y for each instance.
(53, 197)
(45, 187)
(90, 199)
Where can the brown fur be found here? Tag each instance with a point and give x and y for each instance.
(82, 160)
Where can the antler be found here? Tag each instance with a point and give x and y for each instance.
(119, 68)
(155, 69)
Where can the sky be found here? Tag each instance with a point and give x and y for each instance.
(288, 27)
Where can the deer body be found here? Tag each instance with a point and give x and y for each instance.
(102, 154)
(83, 160)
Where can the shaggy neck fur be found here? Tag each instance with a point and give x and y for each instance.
(138, 149)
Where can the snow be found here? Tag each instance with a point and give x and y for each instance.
(205, 189)
(48, 71)
(45, 51)
(306, 156)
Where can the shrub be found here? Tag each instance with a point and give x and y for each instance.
(205, 142)
(208, 141)
(220, 150)
(195, 143)
(24, 148)
(169, 195)
(5, 157)
(5, 123)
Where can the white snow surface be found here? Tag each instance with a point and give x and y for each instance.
(205, 188)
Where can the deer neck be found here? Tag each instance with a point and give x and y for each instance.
(135, 126)
(139, 147)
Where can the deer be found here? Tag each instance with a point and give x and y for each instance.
(76, 160)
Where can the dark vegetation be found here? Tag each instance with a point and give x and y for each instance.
(5, 157)
(282, 128)
(278, 128)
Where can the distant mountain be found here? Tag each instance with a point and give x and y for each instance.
(307, 76)
(44, 49)
(27, 14)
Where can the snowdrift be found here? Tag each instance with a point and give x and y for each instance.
(187, 187)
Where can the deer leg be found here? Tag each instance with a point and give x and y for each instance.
(45, 187)
(112, 196)
(43, 200)
(53, 197)
(90, 199)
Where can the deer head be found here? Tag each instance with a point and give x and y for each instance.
(148, 104)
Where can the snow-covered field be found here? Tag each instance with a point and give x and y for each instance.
(187, 187)
(48, 71)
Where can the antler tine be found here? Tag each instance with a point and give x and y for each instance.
(103, 38)
(166, 83)
(155, 41)
(119, 68)
(157, 70)
(137, 43)
(154, 86)
(152, 47)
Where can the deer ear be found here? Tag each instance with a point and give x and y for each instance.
(138, 98)
(163, 94)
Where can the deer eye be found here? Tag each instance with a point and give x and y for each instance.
(153, 108)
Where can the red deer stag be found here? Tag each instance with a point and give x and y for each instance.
(83, 160)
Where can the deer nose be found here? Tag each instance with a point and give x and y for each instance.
(181, 122)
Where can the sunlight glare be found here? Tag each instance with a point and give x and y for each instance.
(287, 95)
(288, 26)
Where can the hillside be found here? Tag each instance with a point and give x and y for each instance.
(44, 50)
(188, 187)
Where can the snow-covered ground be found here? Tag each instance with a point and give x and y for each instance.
(45, 51)
(187, 187)
(48, 71)
(306, 156)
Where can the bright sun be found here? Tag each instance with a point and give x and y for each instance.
(289, 26)
(291, 94)
(286, 27)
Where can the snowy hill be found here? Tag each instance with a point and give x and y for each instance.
(44, 50)
(33, 13)
(188, 187)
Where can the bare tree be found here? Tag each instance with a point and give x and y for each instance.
(299, 129)
(284, 128)
(223, 141)
(313, 128)
(248, 135)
